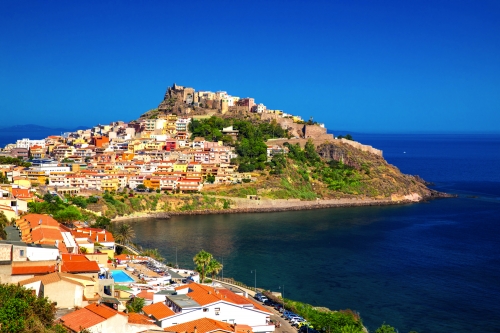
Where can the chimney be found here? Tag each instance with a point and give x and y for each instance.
(195, 329)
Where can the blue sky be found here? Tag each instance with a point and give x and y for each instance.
(366, 66)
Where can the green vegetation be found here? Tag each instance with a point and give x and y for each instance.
(347, 137)
(22, 311)
(124, 234)
(153, 253)
(325, 320)
(3, 223)
(251, 144)
(206, 264)
(14, 160)
(60, 210)
(135, 305)
(386, 329)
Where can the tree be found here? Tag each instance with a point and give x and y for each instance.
(385, 329)
(135, 305)
(124, 234)
(3, 223)
(214, 267)
(141, 187)
(349, 137)
(22, 311)
(83, 250)
(68, 214)
(202, 260)
(210, 179)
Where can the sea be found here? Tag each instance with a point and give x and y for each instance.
(428, 267)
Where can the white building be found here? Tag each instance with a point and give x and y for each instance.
(195, 301)
(27, 143)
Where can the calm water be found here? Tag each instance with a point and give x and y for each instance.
(429, 267)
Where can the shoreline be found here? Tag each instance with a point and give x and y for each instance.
(271, 206)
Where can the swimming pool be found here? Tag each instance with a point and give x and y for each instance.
(121, 276)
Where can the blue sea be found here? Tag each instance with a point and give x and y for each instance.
(428, 267)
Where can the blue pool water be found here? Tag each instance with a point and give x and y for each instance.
(121, 276)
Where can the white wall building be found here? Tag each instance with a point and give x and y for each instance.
(27, 143)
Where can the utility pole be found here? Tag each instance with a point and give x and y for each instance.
(176, 266)
(255, 272)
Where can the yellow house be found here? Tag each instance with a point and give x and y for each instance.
(79, 140)
(180, 167)
(135, 146)
(22, 181)
(36, 177)
(110, 184)
(152, 182)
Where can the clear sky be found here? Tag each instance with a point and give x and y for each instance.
(371, 66)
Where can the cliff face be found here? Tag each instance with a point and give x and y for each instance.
(379, 178)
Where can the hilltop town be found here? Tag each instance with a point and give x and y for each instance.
(201, 142)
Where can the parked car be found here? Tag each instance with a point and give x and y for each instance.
(260, 297)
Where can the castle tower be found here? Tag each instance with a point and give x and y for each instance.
(224, 106)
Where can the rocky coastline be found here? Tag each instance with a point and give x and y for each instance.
(271, 206)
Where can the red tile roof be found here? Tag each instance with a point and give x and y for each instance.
(158, 310)
(146, 295)
(102, 310)
(81, 319)
(80, 267)
(28, 270)
(204, 325)
(66, 257)
(137, 318)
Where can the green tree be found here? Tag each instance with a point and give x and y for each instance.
(22, 311)
(202, 260)
(210, 179)
(3, 223)
(135, 305)
(214, 267)
(385, 329)
(349, 137)
(141, 187)
(124, 234)
(101, 222)
(68, 215)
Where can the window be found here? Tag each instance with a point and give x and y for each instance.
(217, 311)
(205, 309)
(21, 253)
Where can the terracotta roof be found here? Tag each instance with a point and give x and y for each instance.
(52, 278)
(21, 193)
(26, 270)
(146, 295)
(204, 295)
(66, 257)
(137, 318)
(158, 310)
(101, 310)
(203, 325)
(35, 219)
(81, 319)
(80, 267)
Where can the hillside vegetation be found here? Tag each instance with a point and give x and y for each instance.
(331, 170)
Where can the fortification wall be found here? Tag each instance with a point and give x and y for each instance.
(314, 131)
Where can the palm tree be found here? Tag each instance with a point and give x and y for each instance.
(124, 234)
(202, 259)
(135, 305)
(214, 267)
